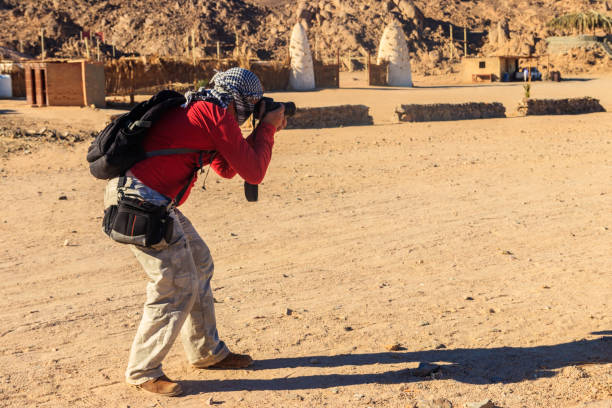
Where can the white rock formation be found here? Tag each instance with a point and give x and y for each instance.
(393, 48)
(302, 71)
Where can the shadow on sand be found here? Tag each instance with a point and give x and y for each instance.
(576, 79)
(408, 89)
(6, 111)
(473, 366)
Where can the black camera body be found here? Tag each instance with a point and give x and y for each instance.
(270, 105)
(251, 191)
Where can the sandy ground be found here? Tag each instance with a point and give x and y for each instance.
(479, 246)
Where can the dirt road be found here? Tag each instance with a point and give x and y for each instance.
(482, 247)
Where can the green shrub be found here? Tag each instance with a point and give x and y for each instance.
(527, 88)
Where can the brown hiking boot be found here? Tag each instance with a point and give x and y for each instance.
(162, 386)
(233, 361)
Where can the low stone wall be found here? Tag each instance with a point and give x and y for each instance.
(330, 116)
(448, 111)
(571, 106)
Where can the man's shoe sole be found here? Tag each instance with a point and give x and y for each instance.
(168, 394)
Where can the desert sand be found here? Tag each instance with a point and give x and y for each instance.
(481, 247)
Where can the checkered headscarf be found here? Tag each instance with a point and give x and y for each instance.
(236, 84)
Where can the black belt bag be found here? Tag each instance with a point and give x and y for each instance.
(137, 222)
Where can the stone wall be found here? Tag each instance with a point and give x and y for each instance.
(571, 106)
(448, 111)
(330, 116)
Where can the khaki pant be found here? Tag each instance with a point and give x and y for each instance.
(179, 300)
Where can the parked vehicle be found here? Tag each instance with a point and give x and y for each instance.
(535, 74)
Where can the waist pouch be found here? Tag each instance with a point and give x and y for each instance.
(137, 222)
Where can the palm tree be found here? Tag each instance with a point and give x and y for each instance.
(582, 22)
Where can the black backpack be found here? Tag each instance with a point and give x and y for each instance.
(119, 146)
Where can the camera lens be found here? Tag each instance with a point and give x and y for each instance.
(289, 108)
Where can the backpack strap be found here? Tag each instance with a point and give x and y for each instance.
(141, 124)
(168, 152)
(181, 193)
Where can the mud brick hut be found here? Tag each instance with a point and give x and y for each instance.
(65, 83)
(493, 68)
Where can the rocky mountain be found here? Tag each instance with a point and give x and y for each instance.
(261, 28)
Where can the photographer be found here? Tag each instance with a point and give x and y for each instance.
(179, 296)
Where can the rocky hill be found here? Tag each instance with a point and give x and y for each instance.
(261, 28)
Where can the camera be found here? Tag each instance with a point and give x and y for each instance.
(251, 191)
(270, 105)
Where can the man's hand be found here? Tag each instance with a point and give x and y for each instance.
(276, 117)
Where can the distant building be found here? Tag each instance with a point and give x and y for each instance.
(65, 83)
(16, 73)
(493, 68)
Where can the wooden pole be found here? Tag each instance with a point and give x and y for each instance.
(193, 46)
(350, 62)
(21, 46)
(113, 51)
(42, 43)
(98, 50)
(338, 62)
(193, 59)
(452, 47)
(369, 70)
(218, 51)
(187, 43)
(132, 87)
(465, 42)
(87, 47)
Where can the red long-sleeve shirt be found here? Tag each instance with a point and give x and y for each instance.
(203, 126)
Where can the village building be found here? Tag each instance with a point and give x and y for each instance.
(12, 81)
(494, 68)
(65, 83)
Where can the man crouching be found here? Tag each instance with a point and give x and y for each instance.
(179, 297)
